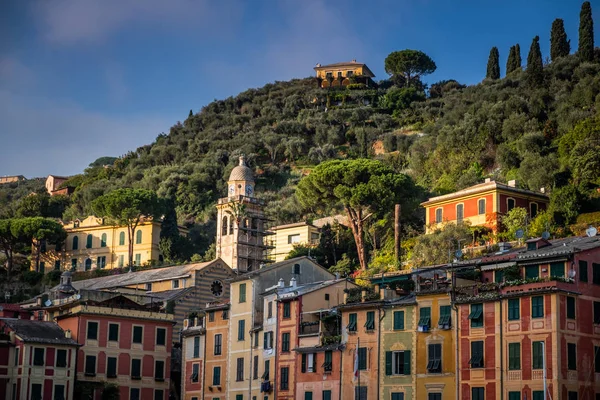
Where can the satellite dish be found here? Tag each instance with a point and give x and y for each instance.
(572, 273)
(545, 235)
(77, 296)
(519, 233)
(458, 253)
(591, 231)
(48, 303)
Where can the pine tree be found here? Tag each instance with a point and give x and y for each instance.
(559, 45)
(493, 65)
(510, 62)
(586, 33)
(535, 66)
(518, 61)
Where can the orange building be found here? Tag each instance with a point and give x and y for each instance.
(343, 73)
(217, 338)
(481, 205)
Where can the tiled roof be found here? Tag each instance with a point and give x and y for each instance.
(290, 292)
(271, 267)
(38, 331)
(481, 187)
(560, 247)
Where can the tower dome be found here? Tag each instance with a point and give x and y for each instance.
(242, 172)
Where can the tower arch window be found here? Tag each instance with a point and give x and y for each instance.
(460, 212)
(231, 225)
(103, 240)
(89, 241)
(438, 216)
(122, 239)
(75, 243)
(224, 225)
(138, 237)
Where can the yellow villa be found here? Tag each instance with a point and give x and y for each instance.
(343, 73)
(290, 235)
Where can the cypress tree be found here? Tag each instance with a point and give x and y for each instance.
(511, 61)
(493, 65)
(518, 61)
(559, 45)
(535, 66)
(586, 33)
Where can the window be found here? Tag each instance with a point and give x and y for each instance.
(309, 362)
(570, 307)
(255, 368)
(583, 271)
(138, 259)
(101, 262)
(434, 360)
(195, 373)
(88, 264)
(73, 263)
(397, 362)
(121, 261)
(59, 392)
(572, 395)
(267, 372)
(308, 396)
(161, 336)
(476, 315)
(225, 315)
(434, 396)
(326, 296)
(481, 206)
(597, 312)
(514, 356)
(557, 269)
(242, 294)
(138, 237)
(476, 360)
(38, 356)
(537, 395)
(286, 310)
(444, 322)
(398, 320)
(514, 309)
(61, 358)
(362, 358)
(218, 344)
(136, 368)
(138, 333)
(175, 283)
(241, 329)
(537, 355)
(36, 391)
(477, 393)
(90, 365)
(17, 356)
(292, 239)
(510, 204)
(255, 340)
(57, 265)
(498, 276)
(239, 397)
(339, 74)
(103, 240)
(216, 376)
(460, 212)
(370, 324)
(532, 271)
(397, 396)
(296, 269)
(571, 356)
(328, 364)
(239, 373)
(89, 241)
(285, 378)
(122, 239)
(424, 317)
(596, 274)
(352, 324)
(134, 394)
(326, 394)
(159, 370)
(514, 395)
(285, 342)
(438, 216)
(537, 307)
(159, 394)
(268, 340)
(360, 393)
(75, 243)
(597, 359)
(270, 309)
(111, 367)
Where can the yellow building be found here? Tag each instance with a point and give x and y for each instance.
(343, 73)
(91, 244)
(11, 179)
(290, 235)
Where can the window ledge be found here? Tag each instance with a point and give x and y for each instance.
(136, 378)
(90, 374)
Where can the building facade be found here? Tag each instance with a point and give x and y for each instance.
(343, 74)
(290, 235)
(11, 179)
(53, 182)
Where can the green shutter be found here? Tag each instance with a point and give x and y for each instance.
(241, 329)
(307, 395)
(398, 320)
(406, 362)
(303, 362)
(397, 396)
(583, 271)
(557, 269)
(532, 271)
(570, 307)
(388, 362)
(362, 358)
(242, 292)
(538, 395)
(514, 395)
(326, 394)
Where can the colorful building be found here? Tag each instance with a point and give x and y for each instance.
(193, 350)
(481, 205)
(343, 73)
(53, 183)
(11, 179)
(290, 235)
(37, 360)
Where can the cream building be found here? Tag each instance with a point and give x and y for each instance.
(290, 235)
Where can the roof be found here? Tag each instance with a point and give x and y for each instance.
(11, 307)
(313, 349)
(31, 331)
(290, 292)
(140, 277)
(342, 64)
(402, 301)
(482, 187)
(242, 172)
(294, 225)
(562, 247)
(271, 267)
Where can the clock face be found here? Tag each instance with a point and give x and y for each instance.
(216, 288)
(231, 189)
(249, 190)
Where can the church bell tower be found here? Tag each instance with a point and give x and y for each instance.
(241, 222)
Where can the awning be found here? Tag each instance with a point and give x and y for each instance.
(492, 267)
(542, 261)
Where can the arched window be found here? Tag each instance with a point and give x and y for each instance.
(88, 264)
(481, 206)
(438, 216)
(103, 240)
(510, 204)
(75, 243)
(231, 225)
(122, 239)
(88, 242)
(460, 212)
(533, 209)
(224, 226)
(138, 237)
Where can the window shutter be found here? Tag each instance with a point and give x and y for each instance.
(304, 362)
(388, 362)
(406, 362)
(315, 362)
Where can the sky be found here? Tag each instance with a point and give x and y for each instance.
(82, 79)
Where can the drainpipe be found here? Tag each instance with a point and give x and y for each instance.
(457, 360)
(501, 354)
(381, 317)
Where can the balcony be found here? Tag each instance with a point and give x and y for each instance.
(514, 375)
(522, 286)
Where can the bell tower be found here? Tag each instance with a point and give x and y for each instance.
(241, 222)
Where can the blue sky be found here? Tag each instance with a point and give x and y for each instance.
(81, 79)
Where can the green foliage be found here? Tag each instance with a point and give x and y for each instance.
(408, 66)
(535, 65)
(515, 219)
(585, 50)
(52, 278)
(439, 246)
(493, 65)
(560, 46)
(543, 222)
(564, 205)
(103, 162)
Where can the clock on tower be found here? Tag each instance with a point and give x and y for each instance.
(249, 191)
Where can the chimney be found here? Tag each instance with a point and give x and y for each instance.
(281, 283)
(337, 276)
(543, 190)
(363, 295)
(68, 334)
(293, 282)
(487, 180)
(345, 297)
(318, 65)
(512, 183)
(354, 60)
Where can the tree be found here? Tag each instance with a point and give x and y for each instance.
(439, 246)
(515, 219)
(586, 33)
(364, 188)
(34, 205)
(535, 66)
(37, 231)
(518, 61)
(409, 65)
(8, 243)
(559, 45)
(511, 60)
(128, 207)
(493, 65)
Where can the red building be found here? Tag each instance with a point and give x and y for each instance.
(481, 205)
(9, 310)
(37, 360)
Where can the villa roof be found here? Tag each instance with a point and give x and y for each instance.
(289, 292)
(31, 331)
(271, 267)
(342, 64)
(482, 187)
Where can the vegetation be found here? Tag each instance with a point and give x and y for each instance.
(559, 45)
(586, 33)
(408, 66)
(493, 66)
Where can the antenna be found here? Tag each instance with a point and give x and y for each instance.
(519, 233)
(545, 235)
(591, 231)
